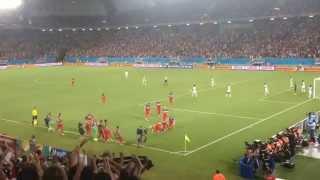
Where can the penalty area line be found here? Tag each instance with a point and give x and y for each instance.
(159, 149)
(278, 102)
(42, 127)
(273, 95)
(217, 114)
(247, 127)
(203, 90)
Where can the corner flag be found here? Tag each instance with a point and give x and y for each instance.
(186, 138)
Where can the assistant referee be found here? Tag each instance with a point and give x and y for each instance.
(34, 116)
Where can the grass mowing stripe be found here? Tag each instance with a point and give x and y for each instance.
(247, 127)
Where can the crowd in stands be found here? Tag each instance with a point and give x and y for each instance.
(294, 37)
(76, 165)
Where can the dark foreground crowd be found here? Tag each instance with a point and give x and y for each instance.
(76, 165)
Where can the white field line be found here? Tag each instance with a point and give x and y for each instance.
(247, 127)
(278, 93)
(158, 149)
(279, 102)
(42, 127)
(217, 114)
(202, 90)
(77, 134)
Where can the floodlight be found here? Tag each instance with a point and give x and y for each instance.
(311, 16)
(284, 18)
(188, 24)
(169, 25)
(10, 4)
(215, 22)
(229, 22)
(251, 20)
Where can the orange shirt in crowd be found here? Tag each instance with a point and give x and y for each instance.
(218, 176)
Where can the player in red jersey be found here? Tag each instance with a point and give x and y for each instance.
(106, 134)
(171, 98)
(165, 126)
(118, 137)
(60, 126)
(89, 124)
(165, 115)
(157, 128)
(147, 112)
(73, 82)
(103, 99)
(158, 105)
(172, 122)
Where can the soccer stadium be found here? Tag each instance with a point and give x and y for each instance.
(159, 89)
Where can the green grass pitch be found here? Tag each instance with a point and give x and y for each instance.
(216, 125)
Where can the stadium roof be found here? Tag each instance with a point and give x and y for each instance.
(131, 12)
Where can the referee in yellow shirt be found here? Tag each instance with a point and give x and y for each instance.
(34, 116)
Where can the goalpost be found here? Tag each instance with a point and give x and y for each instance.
(316, 88)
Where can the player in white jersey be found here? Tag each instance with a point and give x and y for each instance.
(126, 74)
(310, 91)
(291, 83)
(212, 82)
(194, 91)
(228, 92)
(144, 81)
(266, 89)
(303, 87)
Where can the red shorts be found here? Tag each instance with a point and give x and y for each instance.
(147, 114)
(60, 126)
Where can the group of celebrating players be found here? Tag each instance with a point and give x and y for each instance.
(100, 130)
(90, 128)
(166, 121)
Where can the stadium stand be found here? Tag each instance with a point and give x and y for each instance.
(277, 42)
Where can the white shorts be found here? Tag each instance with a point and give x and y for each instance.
(194, 93)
